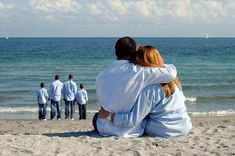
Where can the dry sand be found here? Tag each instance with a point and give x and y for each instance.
(212, 135)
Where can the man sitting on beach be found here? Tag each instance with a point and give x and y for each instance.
(55, 96)
(119, 86)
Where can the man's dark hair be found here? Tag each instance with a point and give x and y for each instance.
(81, 86)
(70, 76)
(42, 85)
(125, 47)
(57, 77)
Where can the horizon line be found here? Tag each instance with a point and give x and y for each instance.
(8, 37)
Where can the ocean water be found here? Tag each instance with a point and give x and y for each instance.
(206, 68)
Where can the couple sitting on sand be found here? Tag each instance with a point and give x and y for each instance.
(140, 94)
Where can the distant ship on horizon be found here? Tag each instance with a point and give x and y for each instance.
(207, 36)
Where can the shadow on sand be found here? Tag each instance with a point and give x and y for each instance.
(73, 134)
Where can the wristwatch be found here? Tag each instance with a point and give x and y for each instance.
(110, 116)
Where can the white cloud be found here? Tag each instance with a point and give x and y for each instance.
(106, 10)
(94, 9)
(49, 18)
(6, 6)
(143, 8)
(117, 6)
(65, 6)
(119, 15)
(193, 11)
(111, 18)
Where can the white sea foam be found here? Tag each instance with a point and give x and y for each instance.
(190, 99)
(27, 109)
(214, 113)
(17, 109)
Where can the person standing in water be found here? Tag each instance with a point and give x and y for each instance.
(42, 98)
(55, 97)
(82, 99)
(69, 92)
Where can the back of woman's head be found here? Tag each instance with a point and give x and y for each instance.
(149, 56)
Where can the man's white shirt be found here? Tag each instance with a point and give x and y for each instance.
(56, 90)
(82, 96)
(118, 87)
(69, 90)
(42, 94)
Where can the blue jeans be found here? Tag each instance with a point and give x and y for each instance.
(55, 109)
(69, 109)
(82, 111)
(42, 113)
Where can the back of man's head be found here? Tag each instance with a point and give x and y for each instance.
(125, 47)
(42, 85)
(70, 76)
(81, 86)
(57, 77)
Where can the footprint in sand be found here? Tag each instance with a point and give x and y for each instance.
(221, 126)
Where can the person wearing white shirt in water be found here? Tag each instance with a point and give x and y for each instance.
(82, 99)
(119, 86)
(42, 97)
(55, 92)
(69, 92)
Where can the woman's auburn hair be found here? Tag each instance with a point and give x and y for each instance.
(149, 56)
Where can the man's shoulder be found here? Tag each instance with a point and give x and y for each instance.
(44, 89)
(79, 91)
(84, 91)
(116, 68)
(60, 83)
(74, 83)
(66, 83)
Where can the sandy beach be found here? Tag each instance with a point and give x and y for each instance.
(211, 135)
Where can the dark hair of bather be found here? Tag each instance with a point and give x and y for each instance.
(57, 77)
(125, 47)
(70, 76)
(42, 85)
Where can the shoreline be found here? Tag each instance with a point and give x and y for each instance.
(34, 115)
(210, 135)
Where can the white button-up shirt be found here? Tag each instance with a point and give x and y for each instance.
(82, 97)
(56, 88)
(162, 116)
(42, 94)
(118, 87)
(69, 90)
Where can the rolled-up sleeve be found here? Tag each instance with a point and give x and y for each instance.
(159, 75)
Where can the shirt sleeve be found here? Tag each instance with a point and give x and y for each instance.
(86, 96)
(50, 91)
(46, 94)
(75, 89)
(63, 90)
(148, 98)
(159, 75)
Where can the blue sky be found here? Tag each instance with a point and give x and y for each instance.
(114, 18)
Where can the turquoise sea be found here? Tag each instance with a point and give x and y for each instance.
(206, 68)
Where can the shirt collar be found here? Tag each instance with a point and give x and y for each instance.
(120, 62)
